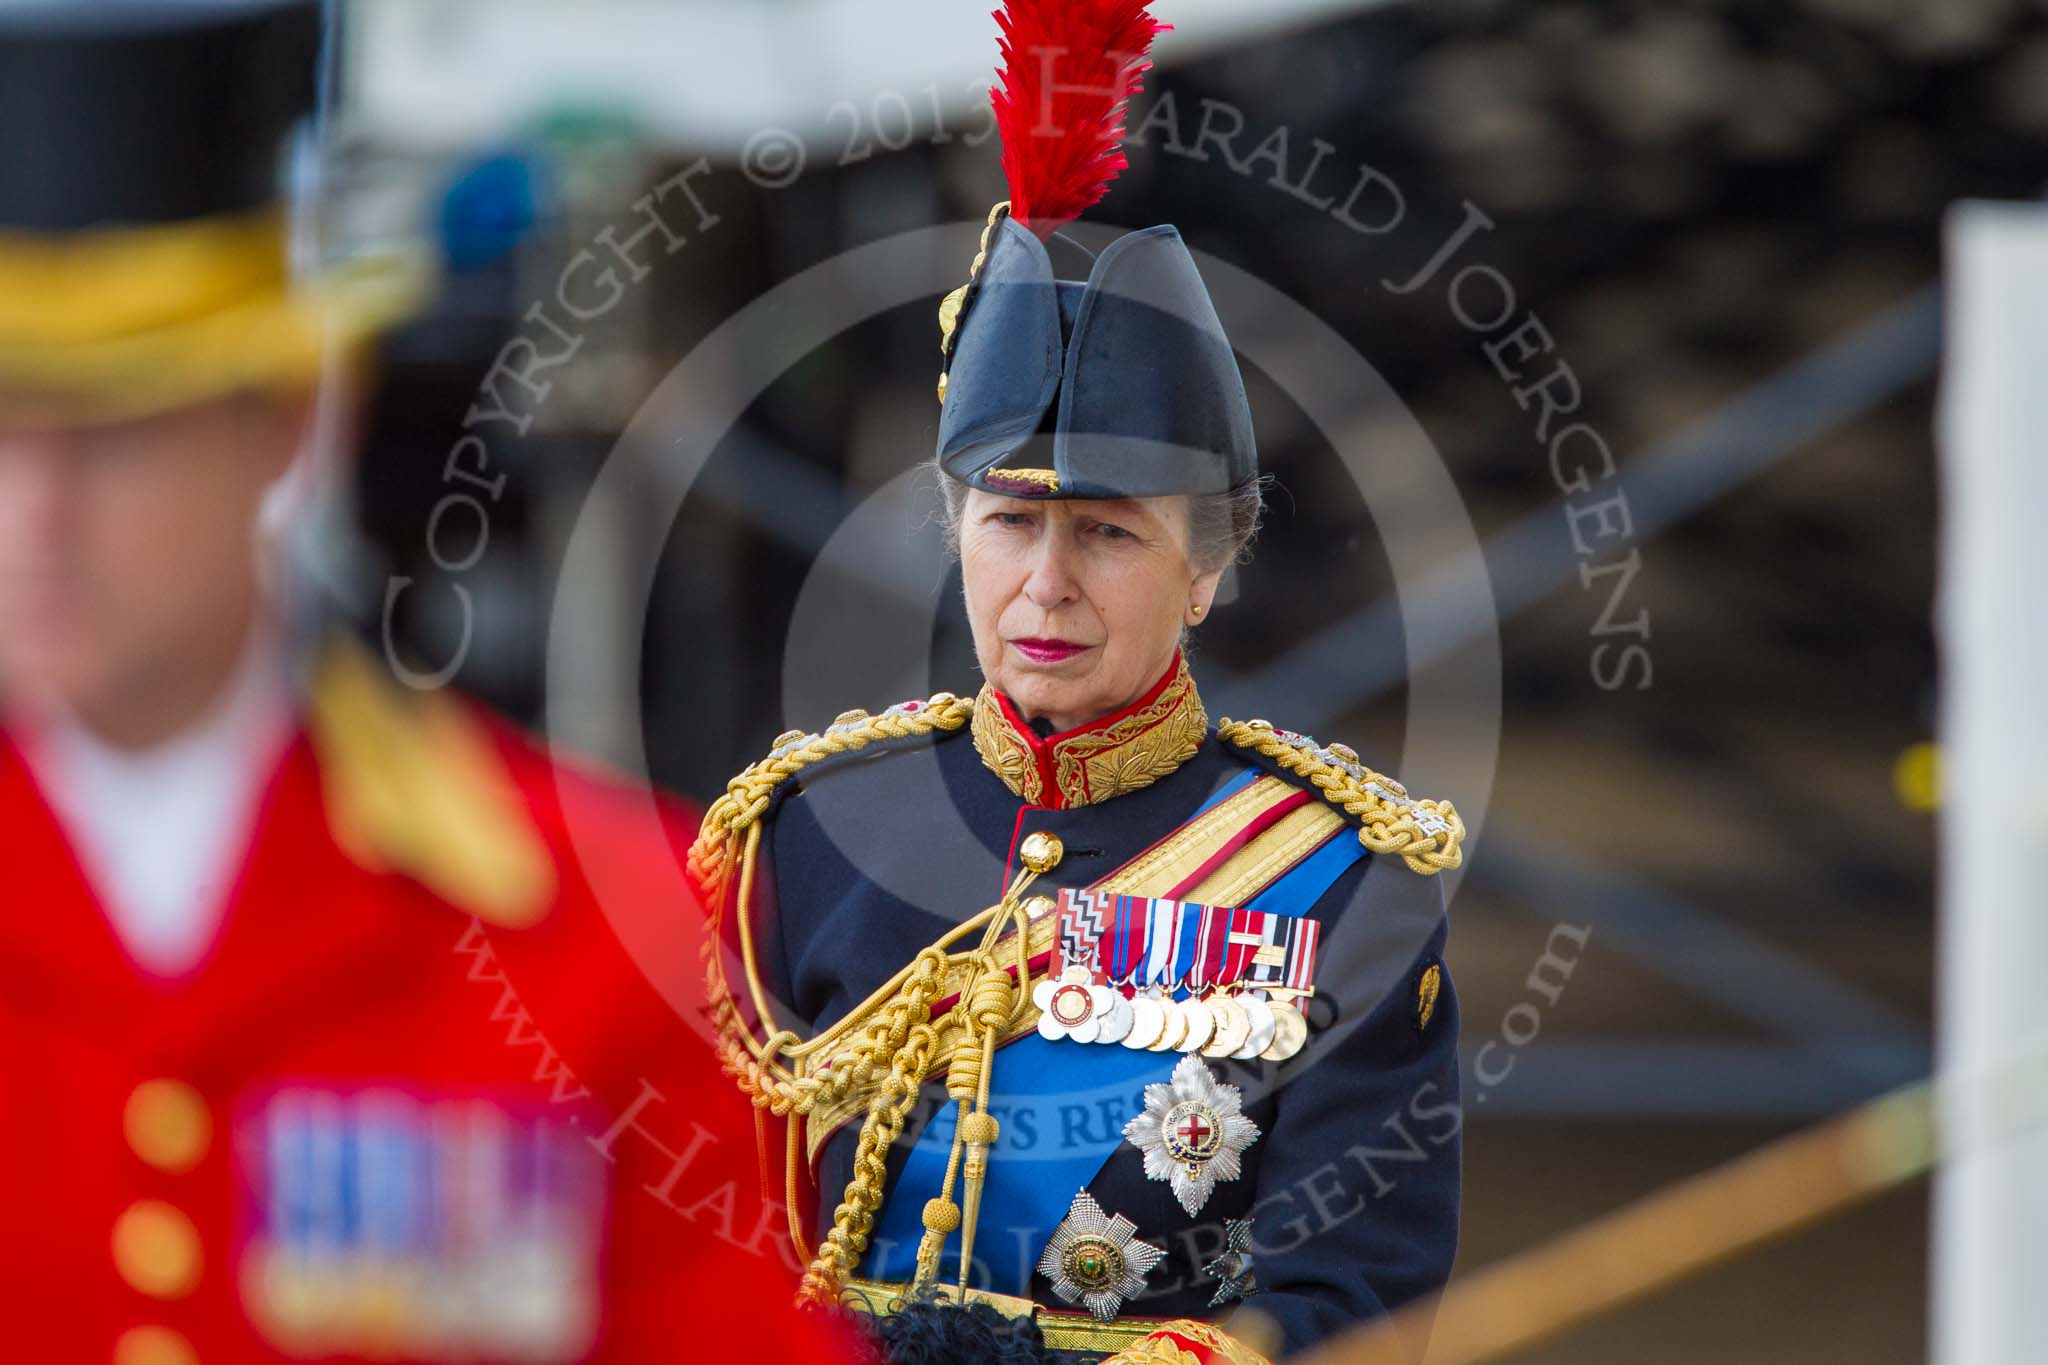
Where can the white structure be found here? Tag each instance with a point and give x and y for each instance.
(1990, 1261)
(848, 77)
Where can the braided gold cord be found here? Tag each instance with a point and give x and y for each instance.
(898, 1034)
(854, 1219)
(1389, 821)
(887, 1030)
(990, 995)
(714, 861)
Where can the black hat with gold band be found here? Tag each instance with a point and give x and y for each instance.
(143, 261)
(1121, 384)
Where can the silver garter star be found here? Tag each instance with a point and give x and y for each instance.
(1193, 1132)
(1094, 1259)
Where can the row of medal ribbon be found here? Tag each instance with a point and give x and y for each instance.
(1120, 966)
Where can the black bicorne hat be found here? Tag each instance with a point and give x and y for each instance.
(1120, 385)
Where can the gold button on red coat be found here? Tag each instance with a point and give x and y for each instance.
(153, 1346)
(156, 1249)
(167, 1125)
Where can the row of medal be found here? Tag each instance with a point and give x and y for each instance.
(1162, 975)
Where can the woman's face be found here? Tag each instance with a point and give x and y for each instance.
(1077, 605)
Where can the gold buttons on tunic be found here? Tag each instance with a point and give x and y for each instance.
(1038, 907)
(168, 1125)
(1041, 852)
(153, 1346)
(156, 1249)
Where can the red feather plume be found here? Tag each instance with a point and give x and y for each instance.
(1069, 70)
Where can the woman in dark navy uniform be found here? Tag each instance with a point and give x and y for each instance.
(1137, 1014)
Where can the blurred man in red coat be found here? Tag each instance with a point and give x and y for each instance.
(315, 1039)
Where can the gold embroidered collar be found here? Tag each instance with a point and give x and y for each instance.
(1119, 753)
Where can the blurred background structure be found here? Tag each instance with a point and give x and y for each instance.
(1701, 909)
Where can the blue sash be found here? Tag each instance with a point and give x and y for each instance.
(1062, 1107)
(1229, 789)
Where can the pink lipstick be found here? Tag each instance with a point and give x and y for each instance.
(1047, 651)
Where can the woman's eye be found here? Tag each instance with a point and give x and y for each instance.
(1013, 518)
(1110, 532)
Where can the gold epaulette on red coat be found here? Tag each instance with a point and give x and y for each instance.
(412, 784)
(1428, 835)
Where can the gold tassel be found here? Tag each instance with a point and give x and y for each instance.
(980, 1130)
(941, 1216)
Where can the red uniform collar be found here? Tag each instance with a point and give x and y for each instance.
(1118, 753)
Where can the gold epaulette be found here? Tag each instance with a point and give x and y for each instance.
(748, 795)
(1427, 834)
(412, 784)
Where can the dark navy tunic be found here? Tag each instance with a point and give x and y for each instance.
(1352, 1187)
